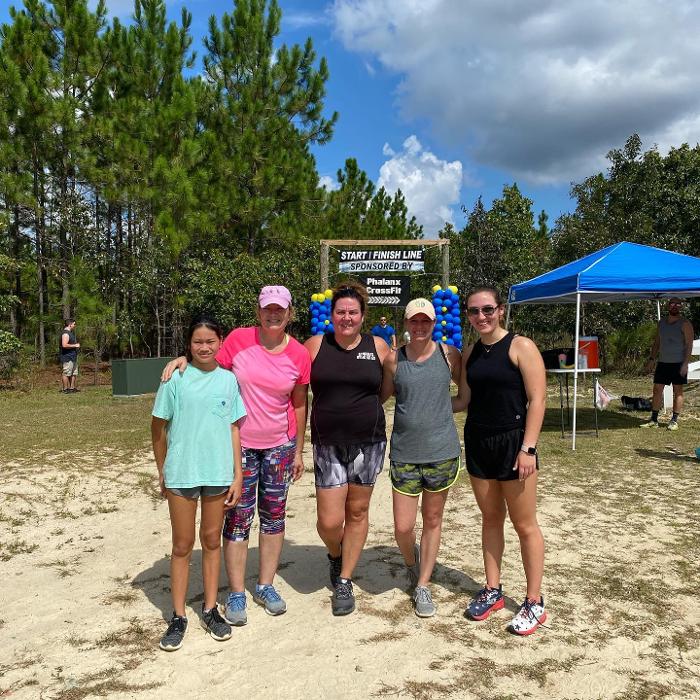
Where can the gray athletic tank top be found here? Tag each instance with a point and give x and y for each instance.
(672, 342)
(424, 430)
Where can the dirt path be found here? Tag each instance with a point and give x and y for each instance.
(85, 590)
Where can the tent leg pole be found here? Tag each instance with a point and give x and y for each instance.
(576, 337)
(507, 316)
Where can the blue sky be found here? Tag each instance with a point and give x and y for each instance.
(452, 99)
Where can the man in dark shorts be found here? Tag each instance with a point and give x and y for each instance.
(68, 356)
(671, 353)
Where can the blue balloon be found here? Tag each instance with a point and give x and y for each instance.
(449, 341)
(314, 313)
(330, 328)
(449, 326)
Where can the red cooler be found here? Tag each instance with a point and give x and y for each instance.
(588, 348)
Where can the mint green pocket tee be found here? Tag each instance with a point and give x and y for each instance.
(199, 407)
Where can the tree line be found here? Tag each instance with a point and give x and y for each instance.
(138, 183)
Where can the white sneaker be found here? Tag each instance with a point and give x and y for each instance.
(530, 616)
(673, 425)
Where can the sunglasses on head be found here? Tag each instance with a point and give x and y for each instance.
(486, 310)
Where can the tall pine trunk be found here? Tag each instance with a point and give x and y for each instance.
(40, 270)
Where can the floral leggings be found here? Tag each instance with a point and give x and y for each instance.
(269, 472)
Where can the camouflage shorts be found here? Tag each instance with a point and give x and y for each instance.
(413, 479)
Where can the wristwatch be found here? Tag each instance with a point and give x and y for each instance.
(529, 450)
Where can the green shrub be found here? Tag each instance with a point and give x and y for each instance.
(628, 348)
(10, 348)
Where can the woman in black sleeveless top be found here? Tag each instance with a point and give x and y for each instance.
(503, 383)
(348, 434)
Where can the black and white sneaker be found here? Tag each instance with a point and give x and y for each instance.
(343, 600)
(172, 639)
(213, 623)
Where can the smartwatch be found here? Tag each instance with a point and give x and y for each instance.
(529, 450)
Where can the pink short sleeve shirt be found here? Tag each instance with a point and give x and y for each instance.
(266, 382)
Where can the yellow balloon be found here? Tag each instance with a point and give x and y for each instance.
(453, 289)
(326, 322)
(314, 297)
(444, 337)
(444, 323)
(328, 293)
(436, 288)
(444, 308)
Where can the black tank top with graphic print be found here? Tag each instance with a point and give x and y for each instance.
(346, 408)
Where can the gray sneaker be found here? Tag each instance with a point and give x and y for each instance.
(235, 612)
(423, 602)
(270, 599)
(213, 623)
(672, 425)
(343, 600)
(172, 639)
(414, 571)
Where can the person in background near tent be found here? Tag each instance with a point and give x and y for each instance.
(504, 385)
(386, 332)
(68, 355)
(425, 447)
(671, 351)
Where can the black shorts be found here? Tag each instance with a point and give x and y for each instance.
(491, 455)
(669, 373)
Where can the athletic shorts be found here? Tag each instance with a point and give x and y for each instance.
(413, 479)
(669, 373)
(196, 491)
(69, 368)
(492, 455)
(338, 465)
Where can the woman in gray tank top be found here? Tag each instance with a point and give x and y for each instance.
(425, 448)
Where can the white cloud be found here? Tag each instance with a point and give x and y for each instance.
(302, 20)
(328, 182)
(430, 185)
(544, 88)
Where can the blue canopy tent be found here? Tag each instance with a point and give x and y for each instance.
(620, 272)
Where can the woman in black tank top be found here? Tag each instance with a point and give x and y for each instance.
(348, 434)
(503, 384)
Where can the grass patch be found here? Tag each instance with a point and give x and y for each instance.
(12, 549)
(91, 420)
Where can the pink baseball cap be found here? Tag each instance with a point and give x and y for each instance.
(275, 295)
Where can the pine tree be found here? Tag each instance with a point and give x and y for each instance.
(267, 109)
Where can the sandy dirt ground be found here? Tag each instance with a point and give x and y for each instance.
(84, 591)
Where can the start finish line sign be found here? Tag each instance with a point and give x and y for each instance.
(402, 260)
(387, 290)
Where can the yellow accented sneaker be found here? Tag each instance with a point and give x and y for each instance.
(673, 425)
(650, 424)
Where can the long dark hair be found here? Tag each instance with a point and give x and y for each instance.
(350, 290)
(199, 320)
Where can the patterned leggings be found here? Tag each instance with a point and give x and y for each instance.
(270, 473)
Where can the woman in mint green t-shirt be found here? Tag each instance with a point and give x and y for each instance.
(197, 447)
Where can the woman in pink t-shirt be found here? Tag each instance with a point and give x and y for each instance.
(272, 370)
